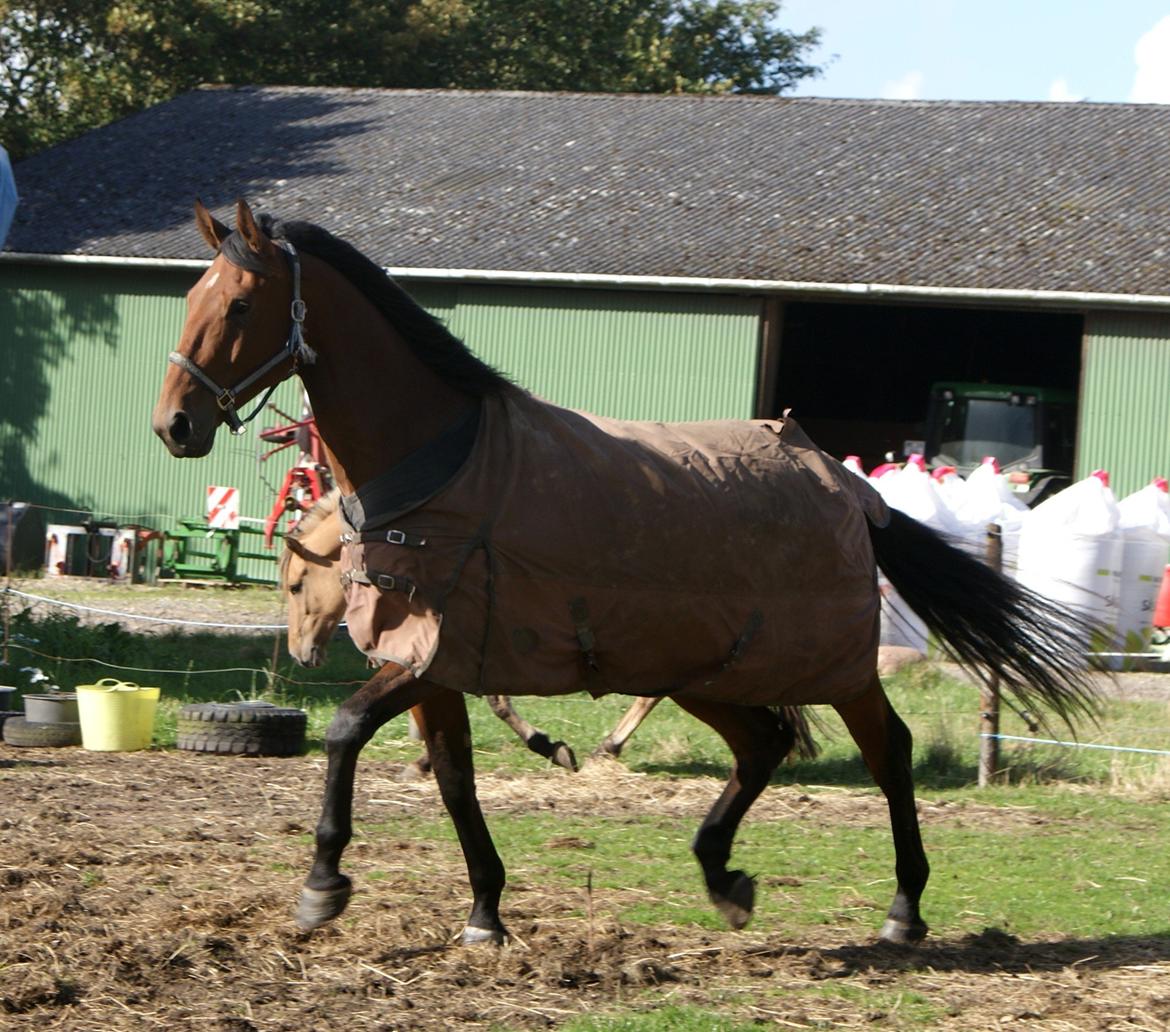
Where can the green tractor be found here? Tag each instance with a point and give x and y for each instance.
(1031, 431)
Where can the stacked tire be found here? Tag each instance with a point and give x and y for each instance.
(24, 733)
(242, 729)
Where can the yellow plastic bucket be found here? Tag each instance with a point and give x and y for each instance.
(116, 716)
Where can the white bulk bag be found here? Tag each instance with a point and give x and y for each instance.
(912, 491)
(1145, 530)
(1070, 550)
(988, 500)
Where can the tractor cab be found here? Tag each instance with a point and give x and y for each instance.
(1031, 432)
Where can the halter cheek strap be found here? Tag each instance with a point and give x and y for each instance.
(295, 350)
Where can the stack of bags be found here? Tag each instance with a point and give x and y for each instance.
(1081, 547)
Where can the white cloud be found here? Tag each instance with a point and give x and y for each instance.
(909, 87)
(1058, 90)
(1151, 84)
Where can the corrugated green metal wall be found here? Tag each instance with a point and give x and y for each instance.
(629, 355)
(83, 352)
(82, 357)
(1125, 399)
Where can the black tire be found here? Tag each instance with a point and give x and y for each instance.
(241, 729)
(27, 733)
(6, 713)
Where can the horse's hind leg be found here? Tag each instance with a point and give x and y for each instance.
(760, 739)
(391, 691)
(631, 720)
(533, 737)
(885, 744)
(442, 717)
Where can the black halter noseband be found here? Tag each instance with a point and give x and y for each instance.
(295, 350)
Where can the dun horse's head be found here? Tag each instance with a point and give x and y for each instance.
(239, 337)
(309, 577)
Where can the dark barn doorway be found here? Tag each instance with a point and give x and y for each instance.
(857, 377)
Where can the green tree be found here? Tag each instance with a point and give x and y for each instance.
(70, 65)
(665, 46)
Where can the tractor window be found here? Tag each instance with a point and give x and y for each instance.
(975, 427)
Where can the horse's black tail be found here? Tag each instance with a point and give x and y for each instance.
(988, 623)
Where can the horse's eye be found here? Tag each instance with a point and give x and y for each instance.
(294, 589)
(239, 306)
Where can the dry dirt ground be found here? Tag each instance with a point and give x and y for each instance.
(155, 889)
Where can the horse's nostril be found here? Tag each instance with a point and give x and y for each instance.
(180, 428)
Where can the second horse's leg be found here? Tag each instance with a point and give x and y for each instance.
(612, 744)
(760, 739)
(533, 737)
(442, 718)
(885, 744)
(391, 691)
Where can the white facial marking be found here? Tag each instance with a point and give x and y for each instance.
(211, 282)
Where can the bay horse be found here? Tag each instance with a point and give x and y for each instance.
(311, 582)
(501, 540)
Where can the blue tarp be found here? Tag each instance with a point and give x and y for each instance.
(8, 198)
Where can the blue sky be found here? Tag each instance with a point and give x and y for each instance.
(988, 49)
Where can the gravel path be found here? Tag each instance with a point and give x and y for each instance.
(144, 607)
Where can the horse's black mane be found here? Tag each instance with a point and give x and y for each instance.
(430, 341)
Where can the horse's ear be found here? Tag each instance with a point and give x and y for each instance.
(308, 555)
(214, 231)
(249, 230)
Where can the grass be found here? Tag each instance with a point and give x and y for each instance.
(1059, 867)
(941, 711)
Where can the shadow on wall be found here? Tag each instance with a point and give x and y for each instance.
(220, 144)
(36, 327)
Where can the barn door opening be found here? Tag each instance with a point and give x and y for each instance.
(858, 377)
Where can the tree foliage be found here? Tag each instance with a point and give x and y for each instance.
(70, 65)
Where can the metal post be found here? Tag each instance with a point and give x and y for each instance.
(989, 692)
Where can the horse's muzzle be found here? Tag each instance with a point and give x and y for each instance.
(311, 657)
(180, 433)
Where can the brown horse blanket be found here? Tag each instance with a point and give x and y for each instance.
(725, 559)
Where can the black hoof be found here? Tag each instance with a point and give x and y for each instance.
(737, 901)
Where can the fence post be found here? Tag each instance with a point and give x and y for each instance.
(8, 575)
(989, 691)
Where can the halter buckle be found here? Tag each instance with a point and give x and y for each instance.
(298, 310)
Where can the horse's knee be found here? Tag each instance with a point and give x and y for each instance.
(346, 730)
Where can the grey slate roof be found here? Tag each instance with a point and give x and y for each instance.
(986, 195)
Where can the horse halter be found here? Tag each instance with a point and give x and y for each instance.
(295, 349)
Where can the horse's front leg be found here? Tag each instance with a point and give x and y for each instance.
(442, 718)
(391, 691)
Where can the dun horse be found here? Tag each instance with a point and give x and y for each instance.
(310, 577)
(502, 544)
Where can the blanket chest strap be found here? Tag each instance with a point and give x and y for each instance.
(381, 581)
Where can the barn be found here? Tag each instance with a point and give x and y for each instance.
(644, 256)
